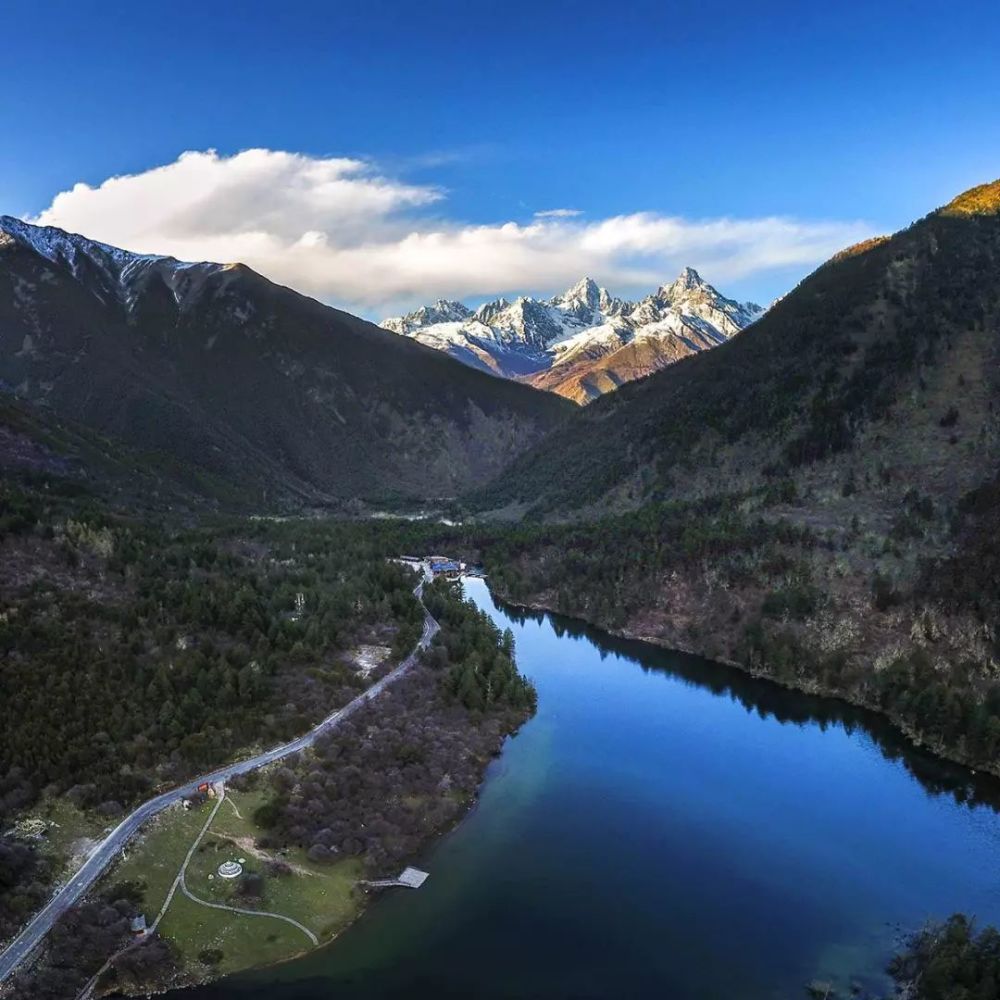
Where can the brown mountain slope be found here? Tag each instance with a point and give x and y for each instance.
(586, 378)
(223, 371)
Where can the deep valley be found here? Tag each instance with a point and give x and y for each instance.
(199, 563)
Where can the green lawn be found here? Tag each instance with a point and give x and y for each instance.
(154, 857)
(243, 941)
(318, 895)
(321, 897)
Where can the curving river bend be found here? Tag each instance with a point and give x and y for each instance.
(668, 827)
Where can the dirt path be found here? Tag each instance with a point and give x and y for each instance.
(250, 913)
(179, 880)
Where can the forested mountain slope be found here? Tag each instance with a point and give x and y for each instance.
(226, 373)
(881, 357)
(65, 458)
(817, 500)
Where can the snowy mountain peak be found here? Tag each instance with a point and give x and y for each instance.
(583, 330)
(58, 246)
(443, 311)
(689, 280)
(488, 310)
(585, 292)
(446, 310)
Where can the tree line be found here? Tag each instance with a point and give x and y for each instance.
(405, 766)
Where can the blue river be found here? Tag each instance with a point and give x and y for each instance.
(668, 827)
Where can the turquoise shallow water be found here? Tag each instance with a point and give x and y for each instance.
(668, 827)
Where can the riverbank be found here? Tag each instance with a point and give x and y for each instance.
(667, 826)
(362, 803)
(659, 643)
(858, 698)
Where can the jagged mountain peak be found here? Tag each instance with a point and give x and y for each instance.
(538, 340)
(585, 292)
(488, 310)
(450, 304)
(689, 280)
(442, 311)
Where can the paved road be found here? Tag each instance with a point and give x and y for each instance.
(31, 936)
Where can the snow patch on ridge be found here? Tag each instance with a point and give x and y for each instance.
(118, 273)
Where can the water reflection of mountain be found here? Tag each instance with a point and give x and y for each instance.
(789, 707)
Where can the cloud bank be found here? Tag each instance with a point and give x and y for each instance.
(341, 230)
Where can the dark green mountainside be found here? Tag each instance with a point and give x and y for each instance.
(62, 458)
(217, 370)
(817, 500)
(888, 353)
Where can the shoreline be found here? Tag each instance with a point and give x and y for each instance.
(652, 641)
(434, 839)
(368, 900)
(945, 753)
(363, 899)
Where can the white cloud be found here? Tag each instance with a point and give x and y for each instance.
(339, 229)
(558, 213)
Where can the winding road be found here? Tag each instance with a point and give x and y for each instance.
(102, 856)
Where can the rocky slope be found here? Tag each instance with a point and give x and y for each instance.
(584, 342)
(228, 377)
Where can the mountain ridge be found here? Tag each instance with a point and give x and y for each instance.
(816, 501)
(583, 342)
(222, 370)
(835, 361)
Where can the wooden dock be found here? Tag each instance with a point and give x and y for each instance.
(409, 878)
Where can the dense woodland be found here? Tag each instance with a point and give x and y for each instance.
(135, 654)
(950, 961)
(608, 568)
(25, 877)
(405, 767)
(166, 650)
(82, 941)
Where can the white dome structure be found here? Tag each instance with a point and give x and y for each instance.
(230, 869)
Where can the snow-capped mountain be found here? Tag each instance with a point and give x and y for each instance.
(584, 342)
(112, 274)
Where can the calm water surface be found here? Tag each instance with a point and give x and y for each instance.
(667, 827)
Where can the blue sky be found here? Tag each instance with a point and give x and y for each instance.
(865, 115)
